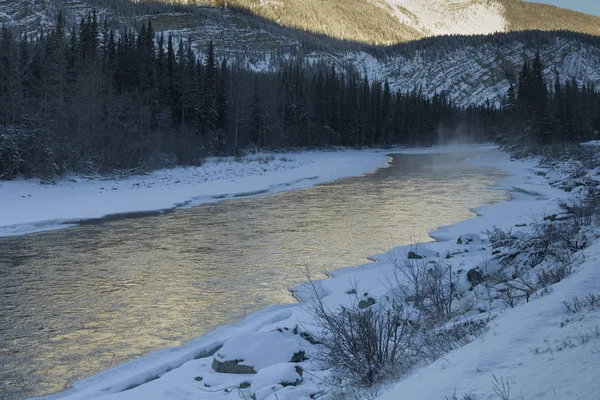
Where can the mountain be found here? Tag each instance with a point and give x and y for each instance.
(392, 21)
(475, 69)
(380, 22)
(257, 34)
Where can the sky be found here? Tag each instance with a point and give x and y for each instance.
(586, 6)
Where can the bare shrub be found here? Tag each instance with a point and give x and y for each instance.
(508, 295)
(367, 345)
(550, 276)
(581, 208)
(555, 239)
(501, 388)
(521, 288)
(434, 343)
(500, 238)
(364, 345)
(455, 397)
(589, 302)
(410, 275)
(440, 292)
(431, 286)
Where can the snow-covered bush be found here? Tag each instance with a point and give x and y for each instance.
(426, 283)
(549, 240)
(364, 345)
(441, 287)
(582, 209)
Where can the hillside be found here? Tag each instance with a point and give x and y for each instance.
(480, 68)
(392, 21)
(259, 34)
(379, 22)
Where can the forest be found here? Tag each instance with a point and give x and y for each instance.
(92, 100)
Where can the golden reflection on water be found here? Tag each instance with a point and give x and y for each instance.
(84, 299)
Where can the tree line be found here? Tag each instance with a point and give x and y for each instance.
(535, 111)
(92, 100)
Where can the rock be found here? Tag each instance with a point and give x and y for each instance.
(309, 338)
(299, 357)
(248, 353)
(232, 367)
(469, 238)
(550, 218)
(475, 276)
(244, 385)
(414, 256)
(366, 303)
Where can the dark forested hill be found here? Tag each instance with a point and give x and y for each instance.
(101, 85)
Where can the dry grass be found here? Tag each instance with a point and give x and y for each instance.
(364, 21)
(373, 22)
(524, 16)
(356, 20)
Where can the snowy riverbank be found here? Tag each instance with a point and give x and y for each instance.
(267, 340)
(28, 206)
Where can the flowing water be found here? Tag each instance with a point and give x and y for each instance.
(77, 301)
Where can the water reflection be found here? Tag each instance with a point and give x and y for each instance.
(81, 300)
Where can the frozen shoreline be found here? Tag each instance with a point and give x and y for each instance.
(28, 206)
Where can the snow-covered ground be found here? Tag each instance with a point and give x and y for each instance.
(536, 351)
(536, 348)
(28, 206)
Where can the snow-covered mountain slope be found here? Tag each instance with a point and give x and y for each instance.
(445, 17)
(473, 74)
(380, 22)
(369, 20)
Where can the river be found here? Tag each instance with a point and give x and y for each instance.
(77, 301)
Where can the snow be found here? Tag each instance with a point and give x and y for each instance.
(531, 346)
(592, 143)
(536, 348)
(267, 349)
(276, 374)
(29, 206)
(447, 17)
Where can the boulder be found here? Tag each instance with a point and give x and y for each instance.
(366, 303)
(232, 367)
(248, 353)
(475, 276)
(469, 238)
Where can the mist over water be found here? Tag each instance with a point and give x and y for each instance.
(80, 300)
